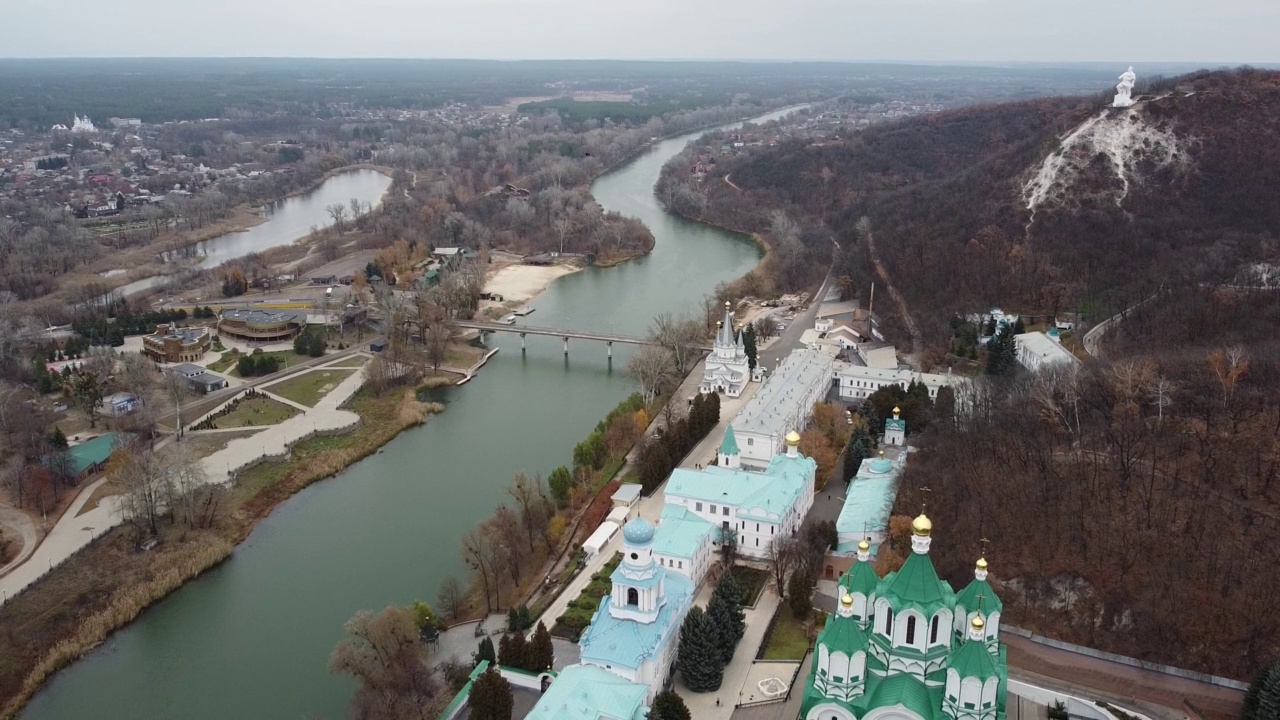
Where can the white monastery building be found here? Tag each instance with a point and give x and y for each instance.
(727, 369)
(783, 404)
(1036, 350)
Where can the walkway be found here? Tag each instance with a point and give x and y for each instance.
(75, 531)
(733, 689)
(20, 524)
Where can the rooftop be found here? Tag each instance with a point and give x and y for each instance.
(265, 317)
(763, 496)
(782, 394)
(92, 452)
(587, 692)
(1039, 344)
(628, 643)
(680, 533)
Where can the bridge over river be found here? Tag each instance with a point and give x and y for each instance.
(523, 330)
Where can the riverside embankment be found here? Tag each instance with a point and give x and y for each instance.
(386, 530)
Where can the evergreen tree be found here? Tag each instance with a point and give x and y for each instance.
(57, 439)
(513, 620)
(1269, 697)
(668, 706)
(1253, 696)
(485, 652)
(512, 650)
(698, 658)
(560, 482)
(800, 594)
(749, 344)
(855, 451)
(490, 697)
(1002, 352)
(725, 611)
(524, 618)
(541, 654)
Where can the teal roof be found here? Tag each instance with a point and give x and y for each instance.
(892, 424)
(92, 452)
(730, 444)
(905, 690)
(765, 496)
(628, 643)
(972, 659)
(861, 578)
(619, 576)
(968, 597)
(680, 533)
(881, 466)
(587, 692)
(917, 585)
(867, 504)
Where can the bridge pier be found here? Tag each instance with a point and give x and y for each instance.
(566, 345)
(610, 349)
(522, 347)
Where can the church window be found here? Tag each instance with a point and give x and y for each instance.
(681, 566)
(911, 629)
(633, 596)
(757, 542)
(757, 527)
(933, 631)
(713, 509)
(698, 507)
(726, 509)
(888, 622)
(771, 529)
(749, 441)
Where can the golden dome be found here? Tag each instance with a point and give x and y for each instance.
(881, 453)
(726, 304)
(896, 409)
(922, 526)
(846, 600)
(978, 623)
(982, 563)
(864, 546)
(793, 438)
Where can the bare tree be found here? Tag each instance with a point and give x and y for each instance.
(451, 599)
(337, 213)
(385, 655)
(532, 502)
(681, 336)
(185, 484)
(480, 552)
(1161, 391)
(146, 484)
(782, 556)
(653, 367)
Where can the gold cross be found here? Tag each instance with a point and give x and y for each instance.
(981, 597)
(923, 499)
(984, 542)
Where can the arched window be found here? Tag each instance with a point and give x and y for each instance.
(933, 630)
(911, 629)
(888, 622)
(633, 596)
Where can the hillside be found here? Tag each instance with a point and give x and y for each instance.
(1045, 205)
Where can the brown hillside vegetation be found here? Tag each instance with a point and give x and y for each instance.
(1131, 506)
(945, 196)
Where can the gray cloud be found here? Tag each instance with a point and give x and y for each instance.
(1229, 31)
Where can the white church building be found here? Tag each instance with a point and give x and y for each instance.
(727, 369)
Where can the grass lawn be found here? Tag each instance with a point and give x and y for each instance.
(309, 387)
(256, 412)
(224, 363)
(205, 444)
(752, 581)
(787, 638)
(462, 356)
(227, 363)
(353, 363)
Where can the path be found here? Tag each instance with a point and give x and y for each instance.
(917, 338)
(73, 531)
(20, 524)
(732, 690)
(1093, 338)
(730, 183)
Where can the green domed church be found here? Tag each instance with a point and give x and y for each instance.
(908, 647)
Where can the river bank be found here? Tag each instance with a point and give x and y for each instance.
(108, 584)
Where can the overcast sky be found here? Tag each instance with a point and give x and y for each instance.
(1211, 31)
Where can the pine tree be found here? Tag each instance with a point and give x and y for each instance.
(1253, 696)
(513, 650)
(725, 611)
(1269, 698)
(1002, 352)
(541, 654)
(857, 450)
(749, 344)
(524, 618)
(699, 654)
(800, 594)
(485, 652)
(490, 697)
(668, 706)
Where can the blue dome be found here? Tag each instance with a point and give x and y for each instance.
(638, 532)
(880, 465)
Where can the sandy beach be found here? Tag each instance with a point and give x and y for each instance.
(521, 283)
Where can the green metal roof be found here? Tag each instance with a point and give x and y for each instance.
(973, 659)
(680, 533)
(861, 578)
(92, 452)
(587, 692)
(969, 597)
(757, 495)
(917, 585)
(730, 444)
(843, 634)
(867, 504)
(905, 690)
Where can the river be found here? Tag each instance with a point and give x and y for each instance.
(288, 220)
(252, 638)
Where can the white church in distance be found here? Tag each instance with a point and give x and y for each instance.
(727, 370)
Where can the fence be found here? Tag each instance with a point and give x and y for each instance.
(791, 685)
(1125, 660)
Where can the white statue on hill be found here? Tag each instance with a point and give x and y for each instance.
(1125, 89)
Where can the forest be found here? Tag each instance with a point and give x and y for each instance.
(945, 199)
(1131, 505)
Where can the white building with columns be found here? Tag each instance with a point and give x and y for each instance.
(727, 369)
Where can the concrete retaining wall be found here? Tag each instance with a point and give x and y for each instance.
(1125, 660)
